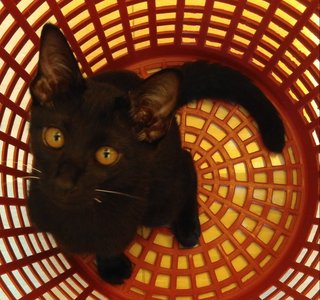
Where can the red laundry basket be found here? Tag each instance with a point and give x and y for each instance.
(259, 211)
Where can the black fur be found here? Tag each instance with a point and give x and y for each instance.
(153, 182)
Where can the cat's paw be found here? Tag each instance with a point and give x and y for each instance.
(187, 233)
(114, 270)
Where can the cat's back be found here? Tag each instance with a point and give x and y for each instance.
(122, 79)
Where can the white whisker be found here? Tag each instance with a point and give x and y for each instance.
(30, 177)
(22, 164)
(33, 168)
(5, 184)
(118, 193)
(97, 200)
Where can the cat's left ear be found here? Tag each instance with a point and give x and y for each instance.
(58, 70)
(153, 104)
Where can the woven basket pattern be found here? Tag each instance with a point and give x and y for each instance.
(259, 211)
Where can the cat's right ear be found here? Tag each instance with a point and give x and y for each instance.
(57, 67)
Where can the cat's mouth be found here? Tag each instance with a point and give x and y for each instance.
(72, 200)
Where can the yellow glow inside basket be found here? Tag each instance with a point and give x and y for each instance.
(229, 287)
(239, 196)
(249, 223)
(216, 132)
(217, 32)
(223, 6)
(71, 6)
(296, 4)
(207, 296)
(260, 194)
(232, 149)
(196, 122)
(254, 250)
(265, 261)
(165, 3)
(217, 157)
(274, 216)
(164, 240)
(222, 273)
(183, 282)
(278, 197)
(135, 250)
(203, 279)
(248, 276)
(211, 234)
(258, 162)
(289, 222)
(280, 177)
(197, 16)
(144, 276)
(252, 147)
(198, 260)
(239, 236)
(245, 133)
(261, 177)
(203, 217)
(206, 145)
(265, 234)
(294, 200)
(223, 173)
(229, 218)
(166, 16)
(239, 263)
(137, 7)
(234, 122)
(251, 15)
(183, 262)
(101, 5)
(278, 243)
(223, 191)
(256, 209)
(198, 2)
(222, 112)
(283, 15)
(137, 291)
(278, 30)
(214, 255)
(142, 45)
(227, 247)
(166, 261)
(261, 3)
(215, 207)
(151, 257)
(240, 172)
(163, 281)
(246, 28)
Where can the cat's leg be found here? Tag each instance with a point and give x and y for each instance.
(186, 227)
(114, 269)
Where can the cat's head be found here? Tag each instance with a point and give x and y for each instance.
(94, 134)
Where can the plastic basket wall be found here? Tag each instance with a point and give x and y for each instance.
(259, 212)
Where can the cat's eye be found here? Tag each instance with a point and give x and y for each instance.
(107, 156)
(53, 137)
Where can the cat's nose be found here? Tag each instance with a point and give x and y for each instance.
(65, 184)
(66, 178)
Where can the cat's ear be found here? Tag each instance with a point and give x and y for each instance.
(57, 68)
(153, 104)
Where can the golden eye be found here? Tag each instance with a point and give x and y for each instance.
(53, 137)
(107, 156)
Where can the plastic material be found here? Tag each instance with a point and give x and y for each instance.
(258, 211)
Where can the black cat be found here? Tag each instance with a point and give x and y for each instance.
(109, 151)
